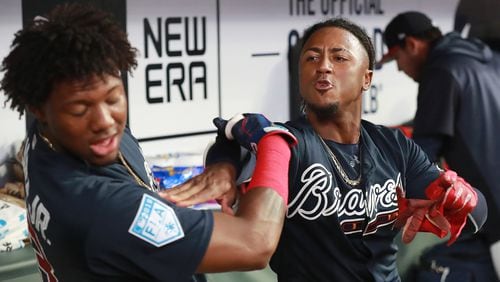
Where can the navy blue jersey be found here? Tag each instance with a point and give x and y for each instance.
(336, 232)
(91, 223)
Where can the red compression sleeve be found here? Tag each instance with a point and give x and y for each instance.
(271, 170)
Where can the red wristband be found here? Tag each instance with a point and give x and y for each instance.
(271, 170)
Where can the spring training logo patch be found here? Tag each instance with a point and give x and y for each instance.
(156, 223)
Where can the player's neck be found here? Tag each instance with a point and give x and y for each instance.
(345, 131)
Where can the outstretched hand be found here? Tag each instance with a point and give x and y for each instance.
(217, 182)
(450, 200)
(418, 215)
(456, 200)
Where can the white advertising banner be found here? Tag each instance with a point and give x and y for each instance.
(198, 59)
(174, 90)
(254, 40)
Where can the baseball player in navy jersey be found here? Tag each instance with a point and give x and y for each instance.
(458, 108)
(93, 211)
(352, 183)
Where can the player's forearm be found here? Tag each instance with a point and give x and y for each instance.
(266, 215)
(264, 204)
(249, 239)
(263, 212)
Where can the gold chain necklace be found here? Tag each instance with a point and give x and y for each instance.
(120, 157)
(47, 141)
(338, 167)
(131, 172)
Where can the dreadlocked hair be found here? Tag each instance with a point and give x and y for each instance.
(73, 42)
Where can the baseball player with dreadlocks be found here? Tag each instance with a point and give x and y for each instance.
(351, 182)
(93, 211)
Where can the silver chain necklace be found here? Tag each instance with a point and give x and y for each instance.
(338, 167)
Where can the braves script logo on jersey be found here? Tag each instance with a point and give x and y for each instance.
(357, 210)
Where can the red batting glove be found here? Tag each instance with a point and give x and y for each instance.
(418, 215)
(456, 199)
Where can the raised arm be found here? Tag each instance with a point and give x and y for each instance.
(234, 149)
(247, 240)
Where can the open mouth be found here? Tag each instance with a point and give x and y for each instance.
(105, 146)
(323, 85)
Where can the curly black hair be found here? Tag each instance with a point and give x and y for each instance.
(351, 27)
(72, 42)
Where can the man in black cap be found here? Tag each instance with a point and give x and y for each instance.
(458, 108)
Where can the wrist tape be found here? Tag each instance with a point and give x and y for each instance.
(271, 170)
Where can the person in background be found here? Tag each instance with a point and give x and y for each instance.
(351, 182)
(479, 19)
(93, 210)
(458, 109)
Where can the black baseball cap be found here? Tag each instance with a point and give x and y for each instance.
(404, 24)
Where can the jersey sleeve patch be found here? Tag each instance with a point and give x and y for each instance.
(156, 222)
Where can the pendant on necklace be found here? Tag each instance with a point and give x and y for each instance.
(338, 166)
